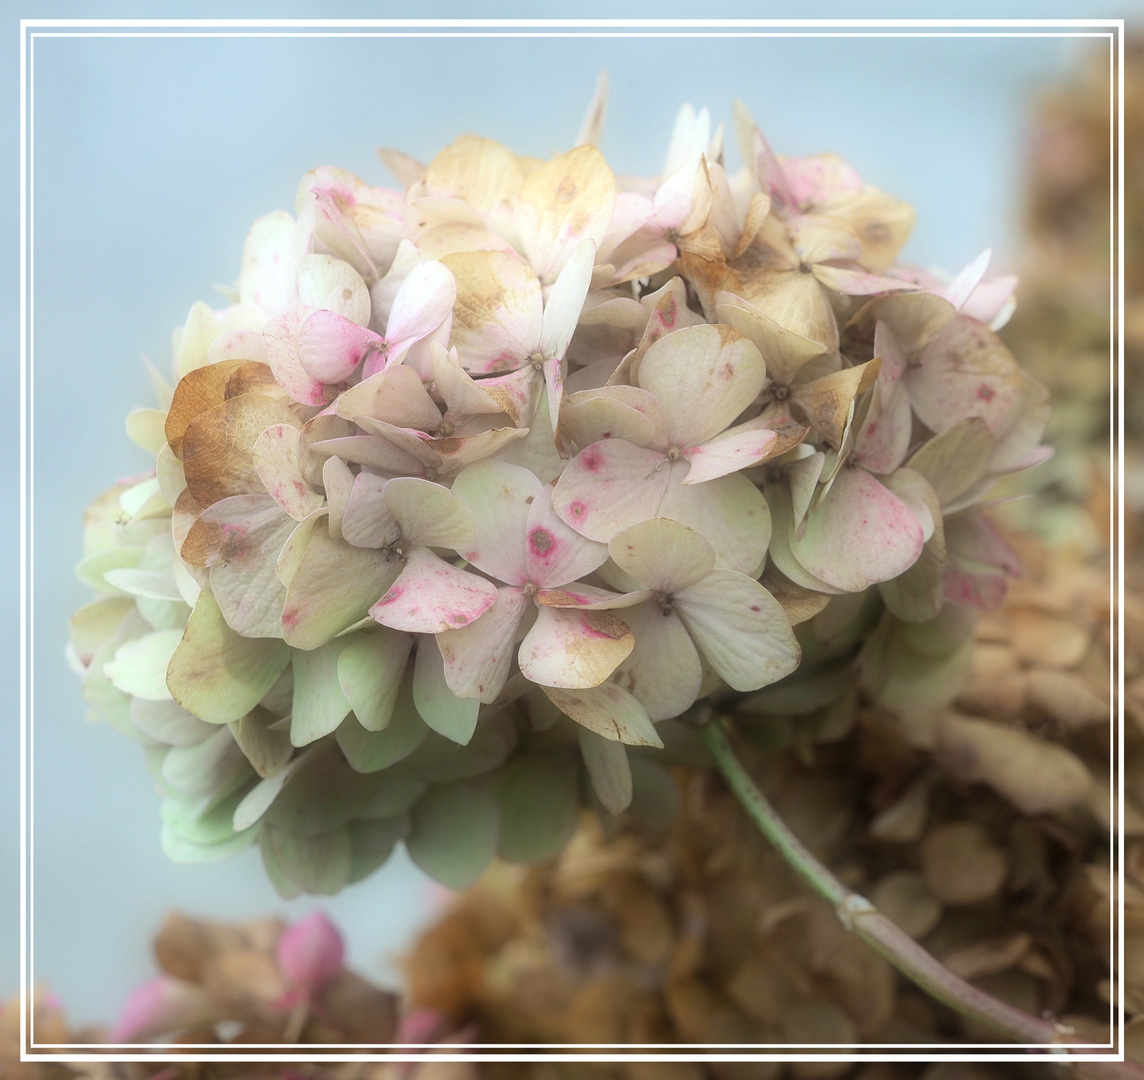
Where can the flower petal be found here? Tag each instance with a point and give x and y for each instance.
(330, 346)
(369, 671)
(704, 377)
(741, 629)
(663, 671)
(574, 649)
(431, 596)
(608, 769)
(218, 675)
(430, 515)
(277, 457)
(319, 705)
(609, 486)
(439, 707)
(662, 554)
(499, 495)
(608, 710)
(368, 522)
(477, 657)
(556, 554)
(858, 535)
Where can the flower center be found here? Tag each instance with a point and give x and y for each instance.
(537, 360)
(529, 589)
(674, 453)
(779, 392)
(446, 429)
(803, 267)
(665, 603)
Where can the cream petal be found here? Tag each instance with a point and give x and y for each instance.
(574, 649)
(729, 512)
(564, 200)
(368, 522)
(218, 675)
(430, 515)
(338, 481)
(499, 310)
(334, 585)
(663, 671)
(662, 554)
(704, 377)
(395, 396)
(431, 596)
(499, 495)
(741, 629)
(609, 711)
(327, 282)
(858, 282)
(784, 350)
(478, 657)
(613, 412)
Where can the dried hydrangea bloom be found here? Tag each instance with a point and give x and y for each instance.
(484, 483)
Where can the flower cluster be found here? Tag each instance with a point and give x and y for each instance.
(480, 484)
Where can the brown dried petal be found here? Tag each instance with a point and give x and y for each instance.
(1035, 775)
(218, 446)
(198, 391)
(961, 865)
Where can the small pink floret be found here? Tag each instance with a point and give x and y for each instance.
(311, 952)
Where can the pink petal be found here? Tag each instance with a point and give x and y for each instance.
(860, 534)
(556, 554)
(858, 282)
(735, 449)
(311, 952)
(330, 346)
(422, 303)
(431, 596)
(478, 657)
(280, 339)
(159, 1006)
(961, 287)
(609, 486)
(821, 178)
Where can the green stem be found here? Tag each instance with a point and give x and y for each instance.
(886, 939)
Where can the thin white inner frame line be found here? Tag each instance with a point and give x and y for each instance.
(553, 34)
(27, 444)
(505, 23)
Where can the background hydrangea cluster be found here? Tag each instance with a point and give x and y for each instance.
(477, 487)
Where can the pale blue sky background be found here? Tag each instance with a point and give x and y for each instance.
(152, 157)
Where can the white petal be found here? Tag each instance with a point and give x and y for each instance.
(424, 300)
(742, 629)
(566, 299)
(140, 666)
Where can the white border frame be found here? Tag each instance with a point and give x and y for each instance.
(1110, 28)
